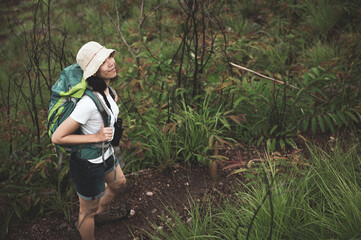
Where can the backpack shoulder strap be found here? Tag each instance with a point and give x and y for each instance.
(112, 92)
(104, 112)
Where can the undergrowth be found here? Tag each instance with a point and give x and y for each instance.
(196, 78)
(317, 200)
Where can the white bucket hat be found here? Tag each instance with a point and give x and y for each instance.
(91, 56)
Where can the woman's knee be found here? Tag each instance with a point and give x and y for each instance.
(115, 179)
(120, 182)
(117, 184)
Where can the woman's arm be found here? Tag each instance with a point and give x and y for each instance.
(64, 134)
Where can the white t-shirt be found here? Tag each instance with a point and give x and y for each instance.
(86, 113)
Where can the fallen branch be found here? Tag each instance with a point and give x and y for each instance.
(264, 76)
(275, 80)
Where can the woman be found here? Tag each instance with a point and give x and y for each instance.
(96, 182)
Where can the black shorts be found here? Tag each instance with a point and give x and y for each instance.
(89, 178)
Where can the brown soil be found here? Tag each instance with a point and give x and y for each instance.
(169, 188)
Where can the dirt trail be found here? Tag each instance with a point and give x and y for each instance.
(165, 188)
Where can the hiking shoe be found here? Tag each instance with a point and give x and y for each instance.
(113, 214)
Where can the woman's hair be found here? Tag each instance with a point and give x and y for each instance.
(97, 84)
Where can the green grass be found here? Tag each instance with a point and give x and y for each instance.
(196, 224)
(322, 201)
(323, 16)
(321, 53)
(198, 130)
(161, 145)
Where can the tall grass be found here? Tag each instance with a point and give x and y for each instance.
(320, 53)
(336, 181)
(161, 146)
(197, 223)
(199, 128)
(323, 16)
(322, 201)
(192, 134)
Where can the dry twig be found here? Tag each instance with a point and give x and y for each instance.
(274, 80)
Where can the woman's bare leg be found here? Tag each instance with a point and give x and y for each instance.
(87, 210)
(112, 187)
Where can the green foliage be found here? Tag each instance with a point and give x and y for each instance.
(274, 59)
(247, 8)
(33, 187)
(161, 146)
(276, 114)
(264, 110)
(190, 136)
(321, 202)
(336, 189)
(197, 224)
(286, 218)
(199, 131)
(338, 110)
(240, 25)
(320, 54)
(179, 96)
(323, 16)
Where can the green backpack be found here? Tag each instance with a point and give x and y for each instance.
(65, 93)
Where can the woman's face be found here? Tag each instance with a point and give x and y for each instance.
(107, 69)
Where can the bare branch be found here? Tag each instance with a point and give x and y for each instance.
(274, 80)
(119, 31)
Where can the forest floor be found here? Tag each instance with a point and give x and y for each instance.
(150, 193)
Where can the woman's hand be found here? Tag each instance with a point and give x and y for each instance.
(105, 134)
